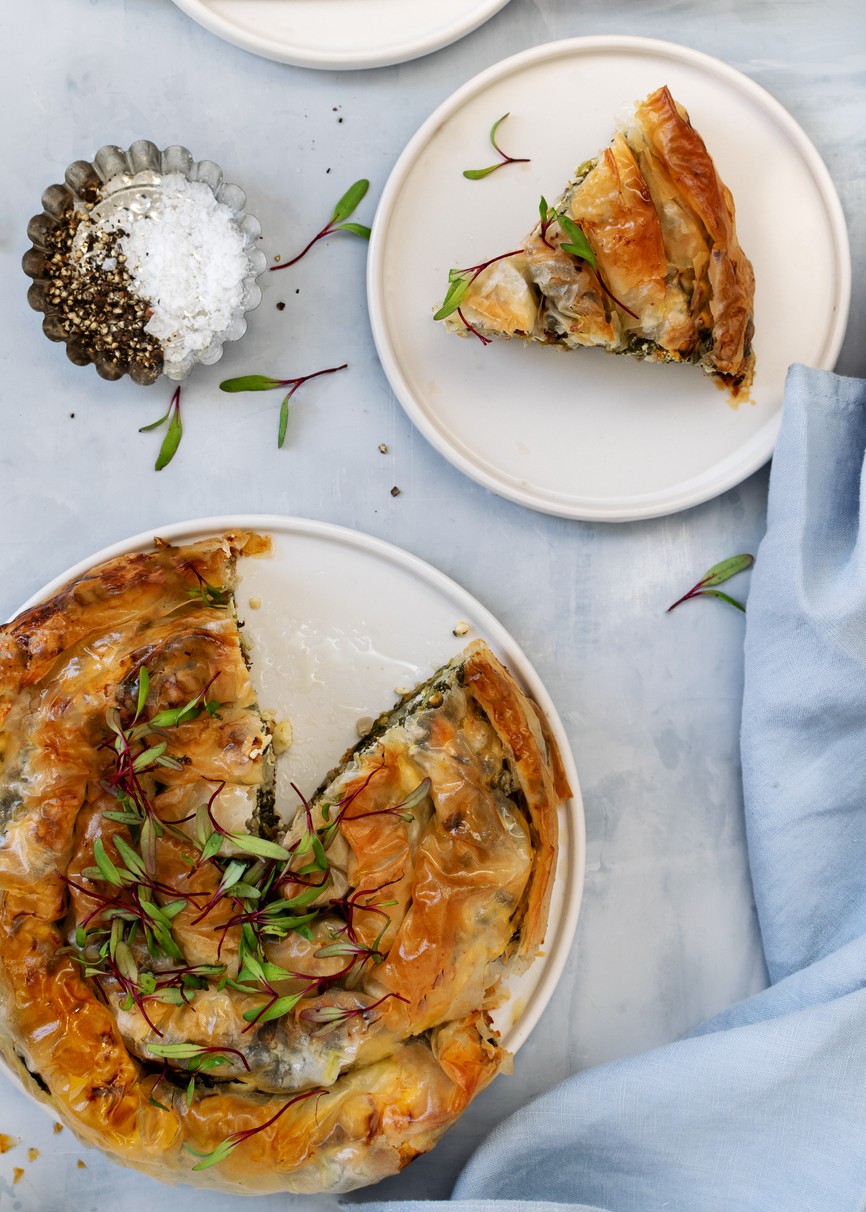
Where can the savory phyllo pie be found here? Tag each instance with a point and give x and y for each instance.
(639, 255)
(210, 995)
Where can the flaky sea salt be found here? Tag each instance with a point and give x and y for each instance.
(185, 255)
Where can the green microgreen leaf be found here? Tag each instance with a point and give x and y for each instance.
(133, 861)
(251, 844)
(284, 420)
(223, 1150)
(350, 201)
(717, 593)
(115, 936)
(156, 424)
(475, 174)
(106, 867)
(245, 890)
(357, 229)
(125, 961)
(211, 847)
(148, 756)
(80, 937)
(123, 818)
(143, 687)
(148, 844)
(176, 715)
(176, 1051)
(171, 441)
(232, 874)
(276, 1009)
(169, 997)
(727, 569)
(303, 898)
(250, 383)
(577, 243)
(321, 860)
(455, 294)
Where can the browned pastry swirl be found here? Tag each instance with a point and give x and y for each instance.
(154, 1012)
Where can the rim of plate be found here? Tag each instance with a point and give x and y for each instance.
(731, 471)
(569, 879)
(412, 48)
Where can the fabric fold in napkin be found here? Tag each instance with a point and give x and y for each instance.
(764, 1107)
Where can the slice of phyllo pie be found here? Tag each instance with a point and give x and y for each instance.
(639, 255)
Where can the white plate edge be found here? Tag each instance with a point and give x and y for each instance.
(199, 11)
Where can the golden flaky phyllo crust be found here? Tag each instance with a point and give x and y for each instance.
(663, 276)
(202, 997)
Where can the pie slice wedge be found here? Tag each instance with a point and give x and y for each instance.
(639, 255)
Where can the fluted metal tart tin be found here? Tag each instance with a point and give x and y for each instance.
(130, 181)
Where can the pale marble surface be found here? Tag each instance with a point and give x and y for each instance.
(667, 933)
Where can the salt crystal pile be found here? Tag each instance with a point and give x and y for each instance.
(185, 255)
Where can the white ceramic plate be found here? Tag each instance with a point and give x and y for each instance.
(583, 434)
(345, 621)
(341, 33)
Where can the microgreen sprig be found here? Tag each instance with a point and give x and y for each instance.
(173, 434)
(214, 596)
(200, 1056)
(459, 281)
(717, 575)
(265, 383)
(326, 1017)
(228, 1146)
(347, 205)
(475, 174)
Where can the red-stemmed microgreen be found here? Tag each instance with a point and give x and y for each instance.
(716, 575)
(475, 174)
(328, 1017)
(459, 281)
(350, 903)
(200, 1056)
(265, 383)
(215, 596)
(228, 1146)
(347, 205)
(173, 434)
(402, 811)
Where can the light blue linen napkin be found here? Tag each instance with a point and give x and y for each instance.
(764, 1107)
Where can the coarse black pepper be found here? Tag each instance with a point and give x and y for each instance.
(88, 303)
